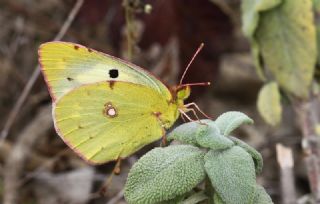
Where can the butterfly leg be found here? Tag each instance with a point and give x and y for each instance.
(164, 141)
(197, 107)
(195, 114)
(117, 169)
(107, 183)
(185, 114)
(183, 118)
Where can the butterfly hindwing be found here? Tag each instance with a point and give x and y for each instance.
(107, 120)
(66, 66)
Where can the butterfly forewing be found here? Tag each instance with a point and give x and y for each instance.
(67, 65)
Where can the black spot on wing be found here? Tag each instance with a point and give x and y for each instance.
(70, 79)
(113, 73)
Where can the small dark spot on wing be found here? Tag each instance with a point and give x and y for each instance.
(113, 73)
(89, 50)
(157, 114)
(70, 79)
(76, 47)
(111, 84)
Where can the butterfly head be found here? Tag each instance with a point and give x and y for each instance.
(182, 93)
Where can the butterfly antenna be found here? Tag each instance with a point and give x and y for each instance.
(194, 56)
(196, 84)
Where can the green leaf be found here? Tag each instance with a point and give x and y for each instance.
(269, 103)
(261, 196)
(232, 174)
(257, 60)
(229, 121)
(210, 137)
(205, 134)
(187, 132)
(217, 199)
(195, 198)
(287, 42)
(256, 156)
(316, 5)
(251, 10)
(177, 200)
(316, 8)
(164, 173)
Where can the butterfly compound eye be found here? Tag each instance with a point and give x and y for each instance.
(113, 73)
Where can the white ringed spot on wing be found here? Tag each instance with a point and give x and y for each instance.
(109, 110)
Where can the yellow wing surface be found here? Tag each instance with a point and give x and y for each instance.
(109, 120)
(66, 66)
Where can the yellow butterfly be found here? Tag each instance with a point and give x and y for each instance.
(105, 108)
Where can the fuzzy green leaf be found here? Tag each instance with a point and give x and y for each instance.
(211, 138)
(269, 103)
(187, 132)
(217, 199)
(164, 173)
(177, 200)
(261, 196)
(286, 38)
(195, 198)
(256, 156)
(232, 174)
(205, 134)
(229, 121)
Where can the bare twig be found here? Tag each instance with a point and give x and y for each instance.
(129, 28)
(167, 67)
(15, 161)
(69, 20)
(116, 198)
(285, 160)
(22, 98)
(308, 114)
(14, 112)
(227, 9)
